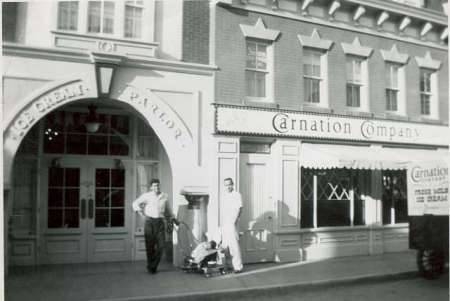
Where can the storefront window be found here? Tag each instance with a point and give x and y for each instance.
(333, 197)
(65, 133)
(394, 199)
(148, 142)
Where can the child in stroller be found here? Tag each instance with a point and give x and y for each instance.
(205, 258)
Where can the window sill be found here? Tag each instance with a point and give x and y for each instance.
(395, 116)
(317, 108)
(255, 102)
(357, 112)
(429, 119)
(100, 43)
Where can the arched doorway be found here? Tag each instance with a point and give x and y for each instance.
(71, 189)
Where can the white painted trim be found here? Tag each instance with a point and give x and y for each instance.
(428, 62)
(356, 49)
(259, 31)
(394, 56)
(315, 41)
(343, 26)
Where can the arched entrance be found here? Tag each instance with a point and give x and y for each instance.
(77, 207)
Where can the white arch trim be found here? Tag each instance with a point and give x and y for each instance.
(169, 127)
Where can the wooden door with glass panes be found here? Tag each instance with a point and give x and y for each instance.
(84, 213)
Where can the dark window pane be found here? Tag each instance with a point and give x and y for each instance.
(71, 218)
(333, 213)
(102, 178)
(98, 145)
(118, 146)
(117, 198)
(117, 178)
(119, 124)
(72, 177)
(102, 197)
(117, 218)
(307, 198)
(55, 197)
(72, 197)
(102, 218)
(55, 176)
(55, 218)
(53, 142)
(76, 144)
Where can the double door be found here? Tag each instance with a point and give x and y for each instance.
(84, 216)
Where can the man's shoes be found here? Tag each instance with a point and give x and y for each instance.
(237, 271)
(152, 271)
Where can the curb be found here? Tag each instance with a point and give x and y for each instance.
(256, 291)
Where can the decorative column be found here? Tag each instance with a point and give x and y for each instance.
(192, 217)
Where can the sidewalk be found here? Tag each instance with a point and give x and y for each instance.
(130, 281)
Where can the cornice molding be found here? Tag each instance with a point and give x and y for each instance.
(356, 48)
(315, 41)
(259, 31)
(394, 56)
(428, 62)
(88, 57)
(342, 26)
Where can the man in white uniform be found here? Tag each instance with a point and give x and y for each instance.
(155, 206)
(231, 208)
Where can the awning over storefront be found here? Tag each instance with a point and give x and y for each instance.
(363, 157)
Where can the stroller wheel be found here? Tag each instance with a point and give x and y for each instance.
(207, 275)
(222, 271)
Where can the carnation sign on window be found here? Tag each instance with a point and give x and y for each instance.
(428, 188)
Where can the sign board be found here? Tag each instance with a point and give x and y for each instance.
(272, 122)
(428, 188)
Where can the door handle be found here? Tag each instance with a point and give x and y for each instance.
(91, 209)
(83, 208)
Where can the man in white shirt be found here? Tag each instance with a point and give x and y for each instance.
(155, 206)
(231, 208)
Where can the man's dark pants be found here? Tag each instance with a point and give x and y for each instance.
(154, 241)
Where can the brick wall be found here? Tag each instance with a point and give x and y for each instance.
(230, 58)
(196, 31)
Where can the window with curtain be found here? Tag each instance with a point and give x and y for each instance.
(68, 15)
(425, 91)
(101, 17)
(312, 75)
(133, 19)
(392, 87)
(354, 81)
(256, 69)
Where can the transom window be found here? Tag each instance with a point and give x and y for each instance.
(354, 81)
(425, 91)
(65, 133)
(392, 87)
(312, 75)
(101, 17)
(256, 69)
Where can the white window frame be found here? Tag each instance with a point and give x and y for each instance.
(58, 16)
(392, 85)
(147, 20)
(102, 18)
(362, 82)
(428, 92)
(322, 78)
(268, 72)
(428, 64)
(135, 4)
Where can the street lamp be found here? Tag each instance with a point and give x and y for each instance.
(104, 73)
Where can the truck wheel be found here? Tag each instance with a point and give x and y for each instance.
(430, 263)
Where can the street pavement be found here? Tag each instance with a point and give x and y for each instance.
(130, 281)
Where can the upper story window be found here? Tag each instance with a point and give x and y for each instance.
(312, 75)
(133, 19)
(68, 15)
(259, 60)
(392, 87)
(354, 81)
(101, 17)
(121, 19)
(426, 92)
(256, 70)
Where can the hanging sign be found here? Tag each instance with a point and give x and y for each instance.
(428, 188)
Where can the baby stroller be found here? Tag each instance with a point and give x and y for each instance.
(207, 258)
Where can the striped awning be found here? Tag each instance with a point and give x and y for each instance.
(326, 156)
